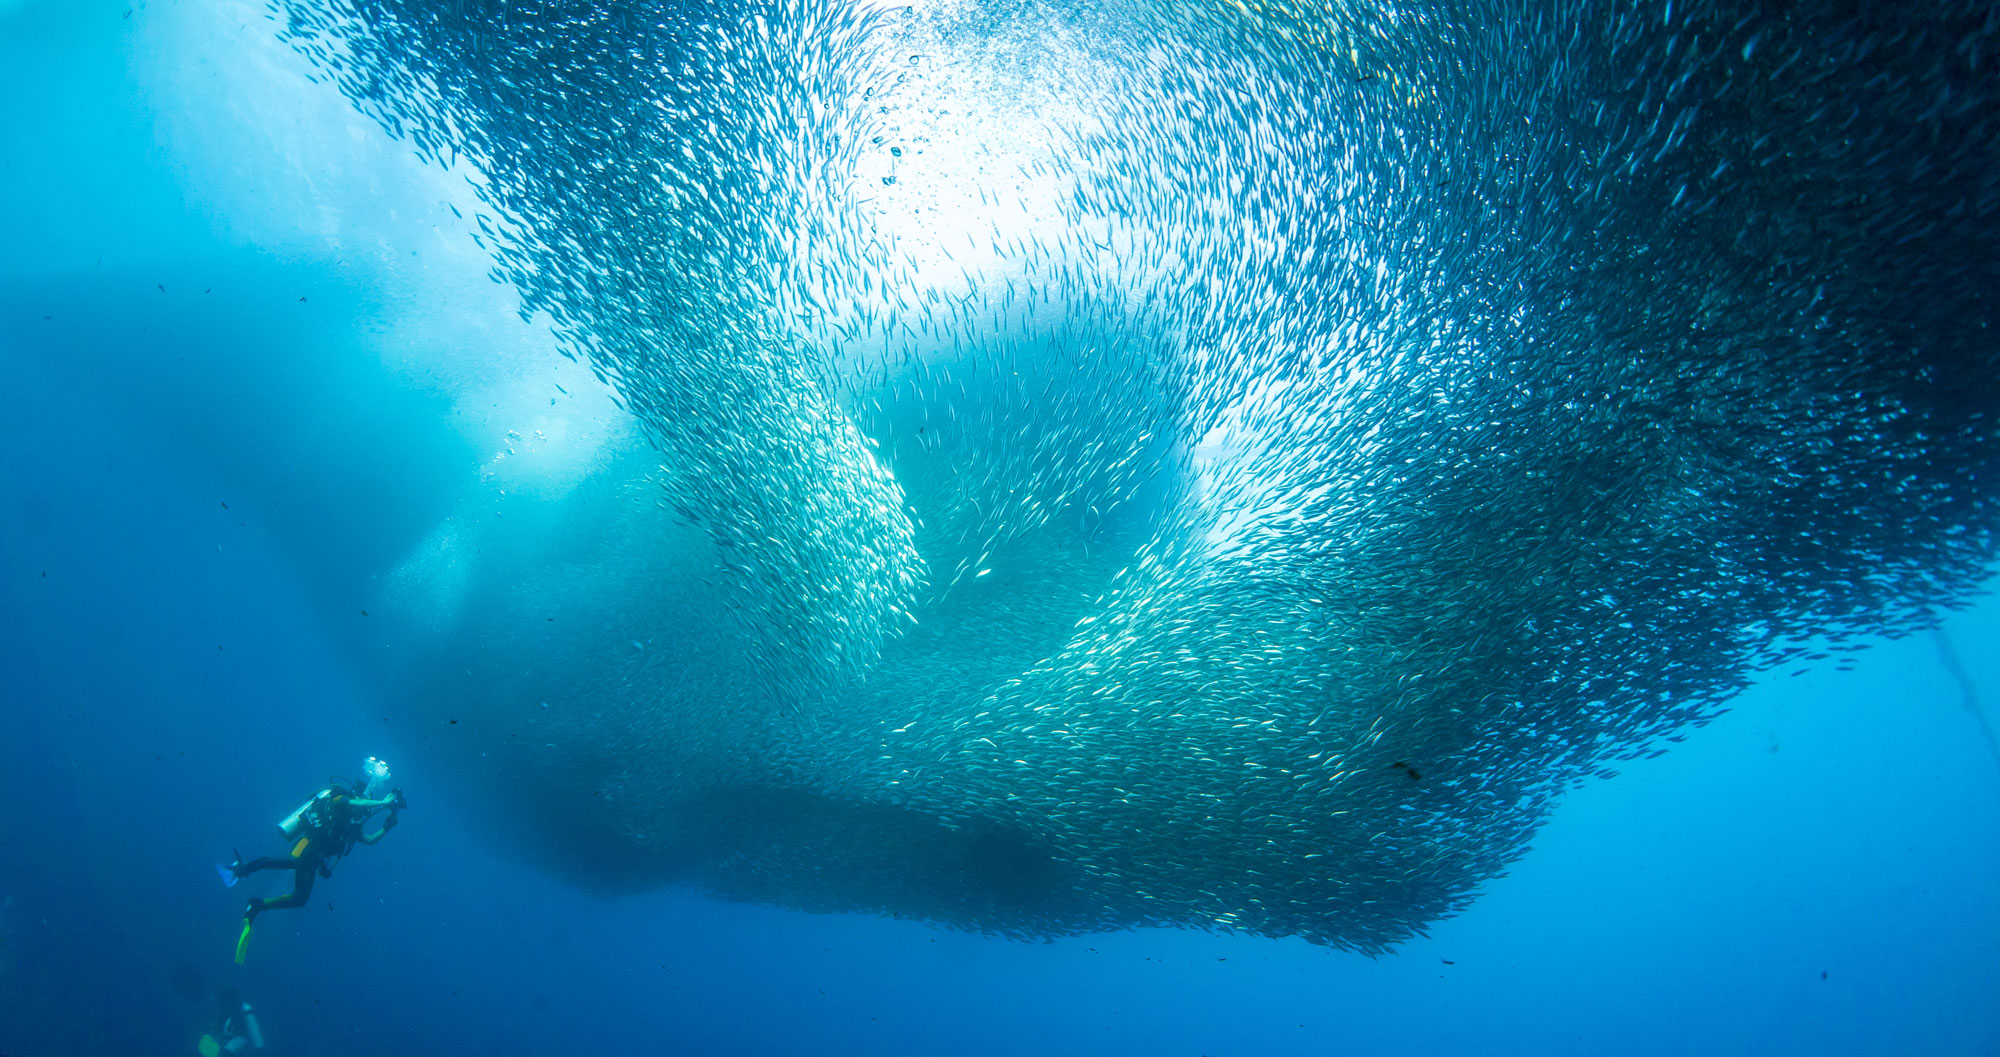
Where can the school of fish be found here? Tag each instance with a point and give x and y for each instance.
(1168, 462)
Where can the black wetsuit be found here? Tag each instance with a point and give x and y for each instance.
(324, 846)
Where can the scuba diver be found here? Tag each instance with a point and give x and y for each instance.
(235, 1029)
(324, 829)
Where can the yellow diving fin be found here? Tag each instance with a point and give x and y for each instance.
(208, 1046)
(243, 942)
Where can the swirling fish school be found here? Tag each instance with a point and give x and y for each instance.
(1185, 463)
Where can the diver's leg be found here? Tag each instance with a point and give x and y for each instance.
(302, 889)
(268, 862)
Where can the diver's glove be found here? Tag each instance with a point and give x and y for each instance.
(396, 801)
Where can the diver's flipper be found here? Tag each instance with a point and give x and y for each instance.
(243, 942)
(208, 1047)
(229, 877)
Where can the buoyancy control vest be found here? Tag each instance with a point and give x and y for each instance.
(324, 819)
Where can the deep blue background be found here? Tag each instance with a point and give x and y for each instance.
(1814, 873)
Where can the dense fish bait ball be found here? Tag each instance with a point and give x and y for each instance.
(1186, 463)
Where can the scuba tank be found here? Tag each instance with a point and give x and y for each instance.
(310, 815)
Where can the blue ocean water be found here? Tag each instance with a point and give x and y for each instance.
(252, 352)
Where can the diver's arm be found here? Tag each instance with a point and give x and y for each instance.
(395, 803)
(393, 800)
(387, 825)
